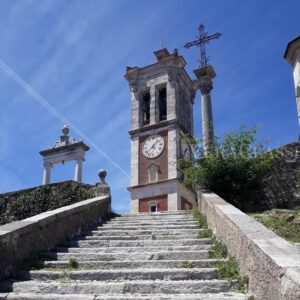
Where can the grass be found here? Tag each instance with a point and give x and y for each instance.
(73, 263)
(199, 218)
(202, 223)
(218, 250)
(229, 270)
(108, 258)
(187, 265)
(205, 234)
(285, 223)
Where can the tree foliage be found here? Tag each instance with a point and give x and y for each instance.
(233, 167)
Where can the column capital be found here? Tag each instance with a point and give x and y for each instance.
(204, 78)
(48, 164)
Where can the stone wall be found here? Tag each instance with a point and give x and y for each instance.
(24, 239)
(271, 263)
(283, 180)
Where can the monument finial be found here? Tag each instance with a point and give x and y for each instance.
(65, 130)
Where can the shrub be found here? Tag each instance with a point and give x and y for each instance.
(20, 205)
(233, 168)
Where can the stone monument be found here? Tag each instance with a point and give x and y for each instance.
(64, 150)
(292, 55)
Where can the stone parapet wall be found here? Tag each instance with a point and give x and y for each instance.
(271, 263)
(26, 238)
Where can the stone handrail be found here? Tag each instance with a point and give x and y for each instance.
(271, 263)
(26, 238)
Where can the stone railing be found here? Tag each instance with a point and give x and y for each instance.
(24, 239)
(271, 263)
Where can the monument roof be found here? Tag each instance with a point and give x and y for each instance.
(65, 143)
(290, 49)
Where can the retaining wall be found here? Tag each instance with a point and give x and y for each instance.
(271, 263)
(23, 239)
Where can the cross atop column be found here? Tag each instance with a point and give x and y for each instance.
(202, 40)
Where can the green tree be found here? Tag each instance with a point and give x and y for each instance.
(233, 168)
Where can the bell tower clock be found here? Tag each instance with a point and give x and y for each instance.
(162, 97)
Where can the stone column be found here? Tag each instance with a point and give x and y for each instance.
(153, 105)
(47, 172)
(204, 78)
(78, 170)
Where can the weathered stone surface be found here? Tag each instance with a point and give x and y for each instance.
(24, 239)
(282, 181)
(206, 296)
(123, 267)
(272, 263)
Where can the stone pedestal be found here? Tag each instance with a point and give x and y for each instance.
(102, 188)
(204, 78)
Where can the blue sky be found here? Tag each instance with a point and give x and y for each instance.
(74, 54)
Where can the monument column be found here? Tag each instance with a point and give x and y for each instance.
(78, 170)
(204, 78)
(47, 172)
(292, 55)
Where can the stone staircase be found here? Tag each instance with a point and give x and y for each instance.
(143, 256)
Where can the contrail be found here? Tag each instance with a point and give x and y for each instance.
(52, 110)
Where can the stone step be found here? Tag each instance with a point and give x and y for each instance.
(138, 243)
(124, 256)
(133, 274)
(144, 264)
(155, 218)
(131, 287)
(137, 237)
(147, 227)
(160, 213)
(151, 222)
(219, 296)
(131, 249)
(112, 232)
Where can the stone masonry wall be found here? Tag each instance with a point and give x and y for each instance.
(283, 180)
(24, 239)
(271, 263)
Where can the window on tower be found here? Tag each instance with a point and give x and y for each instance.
(162, 102)
(146, 108)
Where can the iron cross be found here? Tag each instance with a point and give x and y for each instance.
(203, 39)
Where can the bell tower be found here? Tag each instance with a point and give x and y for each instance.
(162, 97)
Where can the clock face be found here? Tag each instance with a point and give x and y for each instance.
(185, 150)
(153, 146)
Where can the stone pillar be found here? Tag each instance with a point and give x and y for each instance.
(78, 170)
(204, 78)
(153, 105)
(47, 172)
